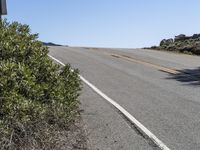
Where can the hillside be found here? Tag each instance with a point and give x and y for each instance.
(181, 43)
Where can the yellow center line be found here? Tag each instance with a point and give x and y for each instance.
(134, 60)
(162, 68)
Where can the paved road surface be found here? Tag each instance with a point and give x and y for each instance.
(160, 89)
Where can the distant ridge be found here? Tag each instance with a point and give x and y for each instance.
(50, 44)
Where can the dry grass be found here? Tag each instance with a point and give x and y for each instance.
(42, 136)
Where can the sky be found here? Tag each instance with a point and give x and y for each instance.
(107, 23)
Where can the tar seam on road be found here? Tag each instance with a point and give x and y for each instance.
(134, 121)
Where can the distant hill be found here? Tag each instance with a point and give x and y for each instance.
(51, 44)
(181, 43)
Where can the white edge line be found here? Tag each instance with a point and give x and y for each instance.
(141, 127)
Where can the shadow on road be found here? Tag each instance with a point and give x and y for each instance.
(187, 76)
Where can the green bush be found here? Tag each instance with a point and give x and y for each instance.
(34, 92)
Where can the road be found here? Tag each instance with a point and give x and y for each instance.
(160, 89)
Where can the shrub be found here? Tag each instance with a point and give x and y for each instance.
(34, 92)
(181, 43)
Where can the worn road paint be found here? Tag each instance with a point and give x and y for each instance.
(161, 68)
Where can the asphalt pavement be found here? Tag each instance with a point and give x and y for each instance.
(160, 89)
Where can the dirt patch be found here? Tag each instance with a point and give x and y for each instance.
(73, 139)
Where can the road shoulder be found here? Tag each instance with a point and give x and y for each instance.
(105, 128)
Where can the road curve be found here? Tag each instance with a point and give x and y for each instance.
(160, 89)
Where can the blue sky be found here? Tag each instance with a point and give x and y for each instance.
(107, 23)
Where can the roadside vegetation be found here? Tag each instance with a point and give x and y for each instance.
(181, 43)
(38, 98)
